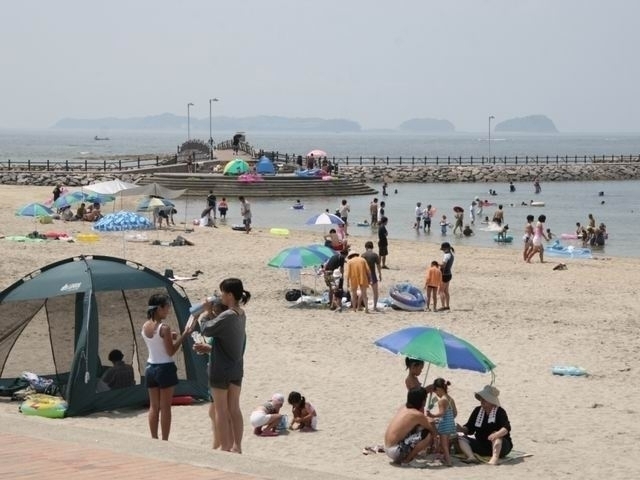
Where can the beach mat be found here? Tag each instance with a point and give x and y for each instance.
(512, 456)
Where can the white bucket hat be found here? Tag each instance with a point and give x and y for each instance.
(489, 394)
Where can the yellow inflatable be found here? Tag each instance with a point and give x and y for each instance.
(279, 231)
(87, 237)
(44, 406)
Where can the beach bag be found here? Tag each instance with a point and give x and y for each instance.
(293, 294)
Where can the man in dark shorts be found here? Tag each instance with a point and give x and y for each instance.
(373, 260)
(383, 243)
(211, 203)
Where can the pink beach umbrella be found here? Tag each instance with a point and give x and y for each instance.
(317, 153)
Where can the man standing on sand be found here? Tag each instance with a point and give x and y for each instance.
(245, 211)
(383, 243)
(408, 432)
(373, 260)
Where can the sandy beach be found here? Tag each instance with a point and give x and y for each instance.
(526, 318)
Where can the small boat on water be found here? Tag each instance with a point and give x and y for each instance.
(97, 138)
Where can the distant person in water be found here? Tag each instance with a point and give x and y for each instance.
(512, 187)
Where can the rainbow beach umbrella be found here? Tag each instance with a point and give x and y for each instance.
(436, 346)
(301, 257)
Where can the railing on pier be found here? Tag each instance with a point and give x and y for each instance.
(455, 160)
(292, 159)
(242, 146)
(85, 165)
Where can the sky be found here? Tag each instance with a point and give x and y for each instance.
(377, 63)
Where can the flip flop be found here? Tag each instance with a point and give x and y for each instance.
(470, 460)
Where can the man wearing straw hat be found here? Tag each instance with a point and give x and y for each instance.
(490, 426)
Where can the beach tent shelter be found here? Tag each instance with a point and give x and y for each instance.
(67, 316)
(265, 166)
(236, 167)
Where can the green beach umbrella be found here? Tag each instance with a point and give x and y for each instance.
(436, 346)
(301, 257)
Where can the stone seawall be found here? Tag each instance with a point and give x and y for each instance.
(378, 174)
(493, 173)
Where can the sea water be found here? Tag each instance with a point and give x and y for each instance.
(78, 145)
(565, 202)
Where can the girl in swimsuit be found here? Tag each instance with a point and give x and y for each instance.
(528, 237)
(447, 413)
(538, 235)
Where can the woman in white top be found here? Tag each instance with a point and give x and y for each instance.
(161, 373)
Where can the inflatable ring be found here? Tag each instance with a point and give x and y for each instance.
(407, 297)
(238, 228)
(182, 400)
(505, 239)
(298, 206)
(44, 406)
(279, 231)
(87, 237)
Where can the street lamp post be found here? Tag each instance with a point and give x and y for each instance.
(210, 131)
(491, 117)
(189, 105)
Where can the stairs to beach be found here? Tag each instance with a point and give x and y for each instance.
(272, 186)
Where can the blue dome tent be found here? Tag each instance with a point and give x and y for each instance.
(265, 166)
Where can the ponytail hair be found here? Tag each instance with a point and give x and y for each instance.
(295, 399)
(234, 287)
(441, 383)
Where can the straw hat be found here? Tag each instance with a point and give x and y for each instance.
(489, 394)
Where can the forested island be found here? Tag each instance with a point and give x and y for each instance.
(529, 124)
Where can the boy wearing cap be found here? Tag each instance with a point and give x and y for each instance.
(490, 426)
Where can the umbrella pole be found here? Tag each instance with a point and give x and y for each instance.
(426, 375)
(186, 205)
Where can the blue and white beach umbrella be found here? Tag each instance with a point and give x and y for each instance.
(34, 210)
(123, 221)
(150, 203)
(325, 219)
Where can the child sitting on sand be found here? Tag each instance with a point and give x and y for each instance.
(266, 417)
(305, 417)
